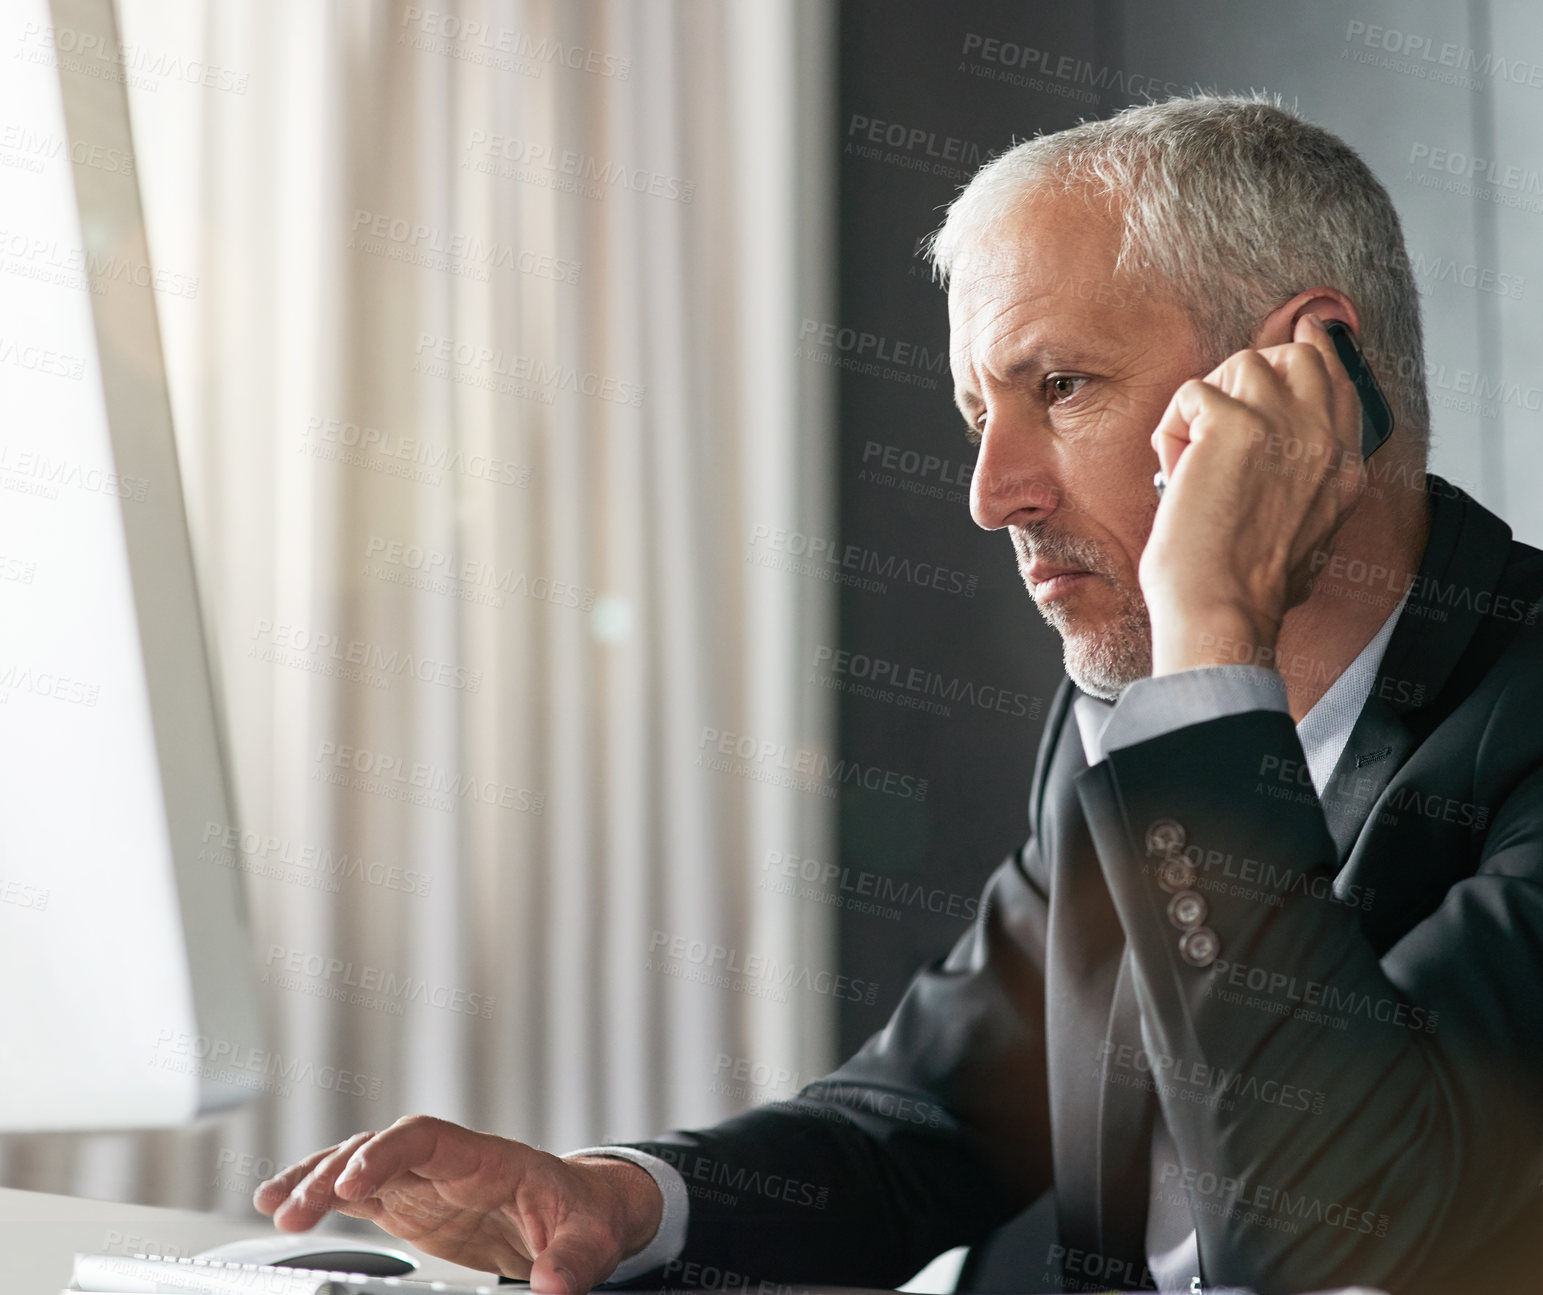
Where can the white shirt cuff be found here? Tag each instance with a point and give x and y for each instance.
(670, 1237)
(1151, 707)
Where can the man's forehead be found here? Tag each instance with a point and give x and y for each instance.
(995, 301)
(1024, 270)
(1040, 225)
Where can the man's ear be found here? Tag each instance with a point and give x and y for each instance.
(1280, 325)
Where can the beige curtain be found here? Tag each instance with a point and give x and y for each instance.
(484, 369)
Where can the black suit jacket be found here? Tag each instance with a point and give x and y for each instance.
(1354, 1086)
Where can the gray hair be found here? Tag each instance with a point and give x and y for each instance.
(1234, 205)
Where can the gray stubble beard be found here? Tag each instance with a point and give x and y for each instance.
(1103, 662)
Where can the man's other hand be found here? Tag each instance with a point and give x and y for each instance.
(481, 1201)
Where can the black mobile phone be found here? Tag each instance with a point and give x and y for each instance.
(1376, 413)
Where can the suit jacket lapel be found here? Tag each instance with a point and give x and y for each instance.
(1085, 942)
(1102, 1131)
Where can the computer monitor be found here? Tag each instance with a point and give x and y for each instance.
(130, 986)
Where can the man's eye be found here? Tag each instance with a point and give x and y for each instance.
(1063, 386)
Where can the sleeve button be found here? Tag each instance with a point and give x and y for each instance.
(1188, 909)
(1175, 874)
(1165, 836)
(1200, 946)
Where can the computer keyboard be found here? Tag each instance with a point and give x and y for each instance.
(160, 1275)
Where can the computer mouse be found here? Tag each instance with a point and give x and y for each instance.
(342, 1254)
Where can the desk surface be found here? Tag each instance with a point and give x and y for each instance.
(40, 1235)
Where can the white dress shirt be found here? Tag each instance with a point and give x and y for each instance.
(1147, 709)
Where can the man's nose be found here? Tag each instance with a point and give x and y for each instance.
(1013, 484)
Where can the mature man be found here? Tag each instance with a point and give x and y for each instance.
(1259, 999)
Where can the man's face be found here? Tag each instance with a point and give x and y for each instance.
(1062, 371)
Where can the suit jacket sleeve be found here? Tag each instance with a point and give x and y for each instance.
(1429, 1057)
(935, 1133)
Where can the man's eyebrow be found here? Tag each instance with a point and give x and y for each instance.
(966, 398)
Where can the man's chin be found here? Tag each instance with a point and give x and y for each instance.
(1106, 635)
(1106, 665)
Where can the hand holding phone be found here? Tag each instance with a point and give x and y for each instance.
(1376, 413)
